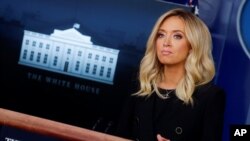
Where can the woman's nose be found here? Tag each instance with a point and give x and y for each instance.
(166, 42)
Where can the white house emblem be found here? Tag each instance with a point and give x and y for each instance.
(69, 52)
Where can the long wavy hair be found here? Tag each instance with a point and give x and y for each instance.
(199, 65)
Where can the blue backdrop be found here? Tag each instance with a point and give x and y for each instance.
(126, 29)
(231, 35)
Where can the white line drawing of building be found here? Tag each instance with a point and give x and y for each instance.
(69, 52)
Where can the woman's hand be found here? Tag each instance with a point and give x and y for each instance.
(160, 138)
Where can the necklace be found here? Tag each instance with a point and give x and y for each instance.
(163, 96)
(166, 95)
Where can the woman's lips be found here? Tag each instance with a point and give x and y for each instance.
(166, 52)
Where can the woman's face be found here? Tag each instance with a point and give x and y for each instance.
(172, 46)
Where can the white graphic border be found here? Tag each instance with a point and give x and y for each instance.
(238, 29)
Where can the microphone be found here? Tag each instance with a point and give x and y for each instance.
(98, 121)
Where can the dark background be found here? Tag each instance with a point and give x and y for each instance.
(123, 25)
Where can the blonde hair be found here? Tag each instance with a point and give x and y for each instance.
(199, 65)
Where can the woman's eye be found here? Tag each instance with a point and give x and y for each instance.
(177, 36)
(160, 35)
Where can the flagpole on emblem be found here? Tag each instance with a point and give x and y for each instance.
(76, 25)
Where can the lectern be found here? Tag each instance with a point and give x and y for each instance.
(16, 126)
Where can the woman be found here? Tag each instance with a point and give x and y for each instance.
(177, 100)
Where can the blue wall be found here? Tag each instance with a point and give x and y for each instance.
(231, 51)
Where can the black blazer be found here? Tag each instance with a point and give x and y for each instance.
(143, 118)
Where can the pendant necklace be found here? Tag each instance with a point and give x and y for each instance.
(166, 95)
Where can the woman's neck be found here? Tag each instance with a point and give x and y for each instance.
(172, 76)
